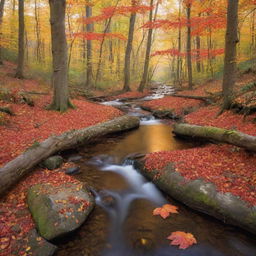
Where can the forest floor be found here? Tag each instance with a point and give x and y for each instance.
(230, 168)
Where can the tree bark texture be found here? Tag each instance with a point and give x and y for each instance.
(127, 63)
(89, 28)
(21, 42)
(59, 54)
(144, 80)
(229, 76)
(189, 59)
(217, 134)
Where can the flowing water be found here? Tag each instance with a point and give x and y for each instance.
(122, 223)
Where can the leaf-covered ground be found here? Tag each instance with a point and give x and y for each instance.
(173, 104)
(28, 126)
(228, 120)
(229, 168)
(33, 124)
(15, 219)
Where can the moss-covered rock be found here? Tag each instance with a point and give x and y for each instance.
(53, 162)
(58, 210)
(202, 196)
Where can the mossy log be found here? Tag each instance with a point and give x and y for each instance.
(21, 165)
(216, 134)
(208, 100)
(202, 196)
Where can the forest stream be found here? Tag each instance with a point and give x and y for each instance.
(122, 224)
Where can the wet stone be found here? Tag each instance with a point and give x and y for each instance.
(72, 170)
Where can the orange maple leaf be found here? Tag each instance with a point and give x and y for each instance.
(165, 210)
(184, 240)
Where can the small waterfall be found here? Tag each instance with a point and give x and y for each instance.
(117, 203)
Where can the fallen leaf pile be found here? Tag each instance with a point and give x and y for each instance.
(35, 124)
(228, 120)
(173, 104)
(231, 169)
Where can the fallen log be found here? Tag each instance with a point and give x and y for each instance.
(202, 98)
(216, 134)
(202, 196)
(21, 165)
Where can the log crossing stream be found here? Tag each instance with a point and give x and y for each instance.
(122, 223)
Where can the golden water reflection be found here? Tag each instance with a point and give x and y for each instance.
(150, 138)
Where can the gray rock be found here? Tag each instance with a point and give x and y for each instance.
(74, 158)
(72, 170)
(53, 162)
(59, 210)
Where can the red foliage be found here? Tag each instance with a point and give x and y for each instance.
(228, 120)
(36, 124)
(99, 36)
(203, 53)
(199, 24)
(229, 169)
(110, 11)
(174, 104)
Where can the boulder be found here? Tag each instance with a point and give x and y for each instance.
(58, 210)
(53, 162)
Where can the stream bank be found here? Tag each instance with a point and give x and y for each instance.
(107, 167)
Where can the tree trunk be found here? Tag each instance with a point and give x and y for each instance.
(127, 62)
(20, 68)
(217, 134)
(21, 165)
(89, 28)
(1, 24)
(179, 63)
(189, 60)
(38, 32)
(60, 100)
(230, 54)
(144, 80)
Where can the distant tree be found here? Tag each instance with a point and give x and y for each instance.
(230, 54)
(21, 42)
(1, 21)
(189, 58)
(144, 80)
(89, 28)
(127, 61)
(60, 100)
